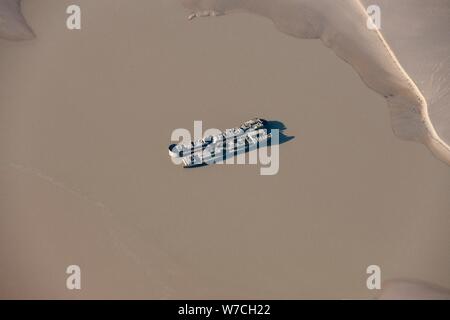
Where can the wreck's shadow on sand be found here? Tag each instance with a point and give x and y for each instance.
(278, 125)
(270, 126)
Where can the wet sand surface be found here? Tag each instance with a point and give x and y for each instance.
(85, 178)
(424, 51)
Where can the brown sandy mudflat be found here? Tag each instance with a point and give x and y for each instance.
(85, 120)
